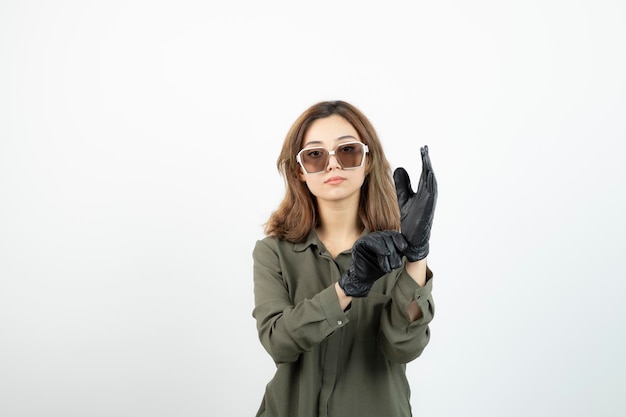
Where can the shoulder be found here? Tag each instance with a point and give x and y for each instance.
(271, 247)
(274, 247)
(269, 243)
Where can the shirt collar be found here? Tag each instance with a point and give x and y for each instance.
(313, 240)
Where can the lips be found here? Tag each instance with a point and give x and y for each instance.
(334, 180)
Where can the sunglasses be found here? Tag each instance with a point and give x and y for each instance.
(350, 155)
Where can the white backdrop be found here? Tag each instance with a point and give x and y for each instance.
(138, 142)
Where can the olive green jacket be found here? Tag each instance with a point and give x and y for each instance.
(330, 362)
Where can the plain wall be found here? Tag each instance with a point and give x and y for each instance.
(138, 142)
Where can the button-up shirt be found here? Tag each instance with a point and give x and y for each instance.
(332, 362)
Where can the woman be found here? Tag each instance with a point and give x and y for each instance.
(342, 298)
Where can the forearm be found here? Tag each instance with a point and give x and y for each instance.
(287, 330)
(404, 332)
(417, 271)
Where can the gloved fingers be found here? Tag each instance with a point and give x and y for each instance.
(394, 261)
(432, 183)
(427, 178)
(399, 241)
(373, 243)
(383, 264)
(396, 244)
(382, 250)
(375, 250)
(426, 164)
(403, 185)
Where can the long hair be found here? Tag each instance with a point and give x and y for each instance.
(297, 214)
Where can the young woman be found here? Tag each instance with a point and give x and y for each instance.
(342, 298)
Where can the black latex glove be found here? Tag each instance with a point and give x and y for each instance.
(417, 209)
(373, 256)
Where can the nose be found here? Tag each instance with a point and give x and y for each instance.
(333, 163)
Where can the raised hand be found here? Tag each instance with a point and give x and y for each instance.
(373, 256)
(417, 209)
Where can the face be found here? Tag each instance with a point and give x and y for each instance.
(334, 183)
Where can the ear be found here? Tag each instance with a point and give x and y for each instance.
(368, 165)
(301, 174)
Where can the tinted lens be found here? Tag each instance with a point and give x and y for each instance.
(350, 155)
(314, 159)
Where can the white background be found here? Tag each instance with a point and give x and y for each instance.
(138, 142)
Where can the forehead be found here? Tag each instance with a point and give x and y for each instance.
(328, 131)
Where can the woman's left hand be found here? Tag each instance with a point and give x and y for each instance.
(417, 209)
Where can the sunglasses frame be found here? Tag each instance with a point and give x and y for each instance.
(333, 152)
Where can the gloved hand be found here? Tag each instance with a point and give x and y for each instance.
(417, 209)
(373, 256)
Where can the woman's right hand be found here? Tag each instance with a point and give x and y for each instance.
(373, 256)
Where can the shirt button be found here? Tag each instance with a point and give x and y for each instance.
(339, 322)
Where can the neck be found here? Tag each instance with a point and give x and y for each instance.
(340, 225)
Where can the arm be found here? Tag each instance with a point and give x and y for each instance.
(404, 324)
(286, 330)
(417, 270)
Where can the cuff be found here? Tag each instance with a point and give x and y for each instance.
(335, 316)
(421, 294)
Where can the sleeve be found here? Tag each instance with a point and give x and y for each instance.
(402, 341)
(286, 330)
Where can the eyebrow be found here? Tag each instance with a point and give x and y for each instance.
(315, 142)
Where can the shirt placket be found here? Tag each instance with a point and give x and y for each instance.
(332, 351)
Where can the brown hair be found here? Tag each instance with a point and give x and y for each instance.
(297, 215)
